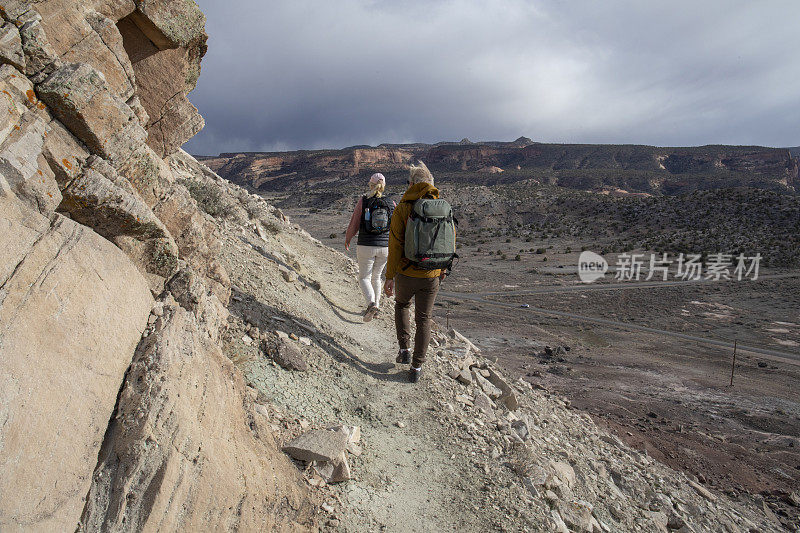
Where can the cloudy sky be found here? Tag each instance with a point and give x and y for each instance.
(293, 74)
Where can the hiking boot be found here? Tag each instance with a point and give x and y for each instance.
(413, 374)
(370, 313)
(403, 356)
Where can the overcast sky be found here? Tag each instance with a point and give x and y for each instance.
(293, 74)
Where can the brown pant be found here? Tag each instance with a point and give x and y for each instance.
(423, 290)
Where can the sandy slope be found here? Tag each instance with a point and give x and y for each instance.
(431, 461)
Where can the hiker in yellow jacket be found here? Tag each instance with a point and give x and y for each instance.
(409, 282)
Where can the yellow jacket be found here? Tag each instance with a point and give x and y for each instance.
(397, 263)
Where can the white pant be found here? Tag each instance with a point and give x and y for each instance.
(371, 262)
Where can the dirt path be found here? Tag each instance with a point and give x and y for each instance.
(582, 287)
(412, 476)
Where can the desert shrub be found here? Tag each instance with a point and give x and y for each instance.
(207, 196)
(517, 258)
(271, 227)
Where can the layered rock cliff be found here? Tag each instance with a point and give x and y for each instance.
(632, 167)
(118, 410)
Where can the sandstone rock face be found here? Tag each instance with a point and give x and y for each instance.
(181, 453)
(113, 417)
(106, 202)
(21, 165)
(80, 97)
(72, 309)
(196, 237)
(166, 60)
(11, 47)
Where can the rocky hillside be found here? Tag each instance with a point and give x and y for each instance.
(467, 449)
(168, 340)
(118, 409)
(589, 167)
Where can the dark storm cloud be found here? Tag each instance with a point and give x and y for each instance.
(312, 74)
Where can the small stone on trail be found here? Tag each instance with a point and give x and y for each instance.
(317, 445)
(400, 425)
(289, 356)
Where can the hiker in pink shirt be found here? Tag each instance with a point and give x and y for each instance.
(370, 220)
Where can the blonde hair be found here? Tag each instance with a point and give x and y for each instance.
(419, 173)
(376, 189)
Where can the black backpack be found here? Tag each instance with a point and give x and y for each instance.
(377, 215)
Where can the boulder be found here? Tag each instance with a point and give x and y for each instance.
(507, 397)
(103, 200)
(164, 74)
(72, 309)
(334, 471)
(317, 445)
(183, 451)
(80, 97)
(11, 47)
(577, 514)
(65, 154)
(486, 385)
(24, 167)
(171, 23)
(100, 198)
(76, 33)
(564, 472)
(40, 57)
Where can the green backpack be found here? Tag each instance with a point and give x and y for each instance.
(431, 235)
